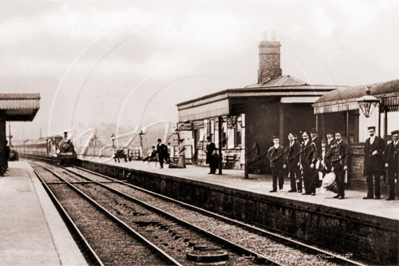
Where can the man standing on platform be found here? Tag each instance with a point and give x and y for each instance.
(6, 155)
(328, 153)
(291, 160)
(391, 158)
(209, 158)
(339, 162)
(275, 154)
(162, 150)
(307, 162)
(373, 163)
(318, 167)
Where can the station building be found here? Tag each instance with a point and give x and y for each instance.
(242, 121)
(15, 107)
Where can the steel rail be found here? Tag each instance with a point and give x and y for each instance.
(233, 246)
(326, 254)
(117, 220)
(94, 259)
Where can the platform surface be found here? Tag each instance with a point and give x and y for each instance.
(31, 230)
(263, 184)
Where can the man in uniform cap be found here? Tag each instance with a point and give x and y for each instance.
(307, 162)
(291, 160)
(340, 162)
(373, 163)
(316, 140)
(329, 150)
(391, 160)
(275, 154)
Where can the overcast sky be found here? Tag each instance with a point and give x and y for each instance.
(133, 61)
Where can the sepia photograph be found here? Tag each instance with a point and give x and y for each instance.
(199, 132)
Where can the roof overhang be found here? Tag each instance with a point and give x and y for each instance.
(18, 106)
(220, 104)
(310, 99)
(345, 99)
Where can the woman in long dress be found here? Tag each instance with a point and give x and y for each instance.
(182, 155)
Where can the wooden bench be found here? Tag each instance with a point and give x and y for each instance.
(229, 160)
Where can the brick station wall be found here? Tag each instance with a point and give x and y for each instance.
(358, 181)
(370, 237)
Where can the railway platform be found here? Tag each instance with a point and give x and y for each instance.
(366, 229)
(262, 184)
(32, 232)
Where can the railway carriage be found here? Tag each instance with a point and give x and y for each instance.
(58, 149)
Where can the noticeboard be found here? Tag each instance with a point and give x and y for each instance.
(185, 126)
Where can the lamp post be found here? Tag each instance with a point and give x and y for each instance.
(113, 139)
(95, 140)
(141, 143)
(367, 103)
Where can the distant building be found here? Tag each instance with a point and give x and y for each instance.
(250, 116)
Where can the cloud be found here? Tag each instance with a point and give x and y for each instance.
(323, 23)
(360, 14)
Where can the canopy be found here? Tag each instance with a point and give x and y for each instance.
(19, 106)
(344, 98)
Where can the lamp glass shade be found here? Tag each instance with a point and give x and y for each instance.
(367, 104)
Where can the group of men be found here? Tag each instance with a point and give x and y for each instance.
(305, 161)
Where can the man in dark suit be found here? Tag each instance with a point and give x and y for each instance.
(318, 167)
(307, 162)
(373, 163)
(209, 158)
(331, 143)
(6, 155)
(291, 160)
(339, 162)
(275, 154)
(162, 150)
(391, 159)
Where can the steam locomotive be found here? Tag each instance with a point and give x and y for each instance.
(60, 150)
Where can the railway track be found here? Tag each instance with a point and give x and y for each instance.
(260, 245)
(108, 239)
(186, 243)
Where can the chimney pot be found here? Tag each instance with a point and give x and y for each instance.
(265, 35)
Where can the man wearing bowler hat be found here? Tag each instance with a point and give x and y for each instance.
(373, 163)
(275, 154)
(391, 160)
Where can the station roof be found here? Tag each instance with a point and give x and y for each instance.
(19, 106)
(285, 88)
(344, 99)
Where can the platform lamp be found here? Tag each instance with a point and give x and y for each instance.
(141, 142)
(113, 139)
(367, 103)
(94, 140)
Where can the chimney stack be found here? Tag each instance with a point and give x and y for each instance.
(269, 59)
(65, 134)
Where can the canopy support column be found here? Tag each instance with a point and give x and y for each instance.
(281, 118)
(220, 121)
(385, 122)
(2, 143)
